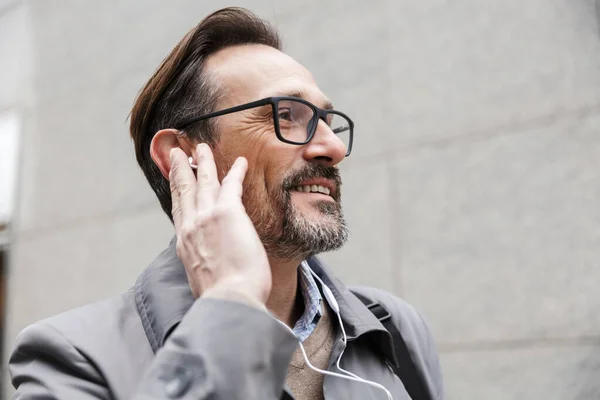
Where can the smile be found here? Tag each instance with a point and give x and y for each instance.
(312, 189)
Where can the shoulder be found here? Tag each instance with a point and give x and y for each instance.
(40, 337)
(414, 329)
(88, 341)
(44, 359)
(406, 317)
(101, 319)
(81, 327)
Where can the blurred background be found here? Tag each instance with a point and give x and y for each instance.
(473, 190)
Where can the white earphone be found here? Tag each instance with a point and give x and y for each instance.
(336, 308)
(191, 160)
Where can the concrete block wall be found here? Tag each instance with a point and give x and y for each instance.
(473, 190)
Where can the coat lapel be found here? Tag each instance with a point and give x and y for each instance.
(162, 296)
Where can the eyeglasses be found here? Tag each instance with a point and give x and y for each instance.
(295, 120)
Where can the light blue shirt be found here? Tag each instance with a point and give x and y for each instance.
(312, 303)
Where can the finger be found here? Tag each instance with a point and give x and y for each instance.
(232, 185)
(208, 180)
(183, 185)
(175, 208)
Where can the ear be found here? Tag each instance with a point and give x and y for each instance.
(161, 145)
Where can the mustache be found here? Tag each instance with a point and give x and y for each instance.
(312, 171)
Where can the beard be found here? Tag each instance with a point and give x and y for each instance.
(283, 229)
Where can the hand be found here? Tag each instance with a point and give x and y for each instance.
(216, 240)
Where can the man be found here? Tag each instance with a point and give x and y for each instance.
(241, 148)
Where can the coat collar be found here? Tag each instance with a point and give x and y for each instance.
(163, 296)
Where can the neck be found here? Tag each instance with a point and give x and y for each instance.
(283, 301)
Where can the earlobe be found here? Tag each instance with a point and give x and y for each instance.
(161, 145)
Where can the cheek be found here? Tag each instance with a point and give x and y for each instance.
(283, 160)
(252, 144)
(269, 159)
(232, 146)
(266, 164)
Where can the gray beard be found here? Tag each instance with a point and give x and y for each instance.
(300, 237)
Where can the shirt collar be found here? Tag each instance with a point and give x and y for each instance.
(312, 302)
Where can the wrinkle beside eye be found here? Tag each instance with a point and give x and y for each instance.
(257, 117)
(253, 126)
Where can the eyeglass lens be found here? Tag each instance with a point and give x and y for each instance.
(297, 120)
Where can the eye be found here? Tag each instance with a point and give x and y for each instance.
(285, 114)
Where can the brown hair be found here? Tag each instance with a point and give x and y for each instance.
(181, 89)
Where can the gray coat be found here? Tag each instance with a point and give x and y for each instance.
(156, 342)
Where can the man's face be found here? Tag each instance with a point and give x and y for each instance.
(291, 221)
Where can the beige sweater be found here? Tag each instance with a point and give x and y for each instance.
(305, 383)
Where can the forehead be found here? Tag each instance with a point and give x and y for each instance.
(252, 72)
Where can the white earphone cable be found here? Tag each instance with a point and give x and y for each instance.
(334, 305)
(321, 371)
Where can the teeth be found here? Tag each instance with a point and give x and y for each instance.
(313, 189)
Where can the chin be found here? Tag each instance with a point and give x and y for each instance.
(308, 226)
(313, 215)
(324, 213)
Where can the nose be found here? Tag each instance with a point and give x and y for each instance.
(325, 147)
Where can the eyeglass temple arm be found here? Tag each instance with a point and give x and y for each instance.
(242, 107)
(343, 128)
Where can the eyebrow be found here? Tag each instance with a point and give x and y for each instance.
(327, 104)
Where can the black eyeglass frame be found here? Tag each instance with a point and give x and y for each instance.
(318, 114)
